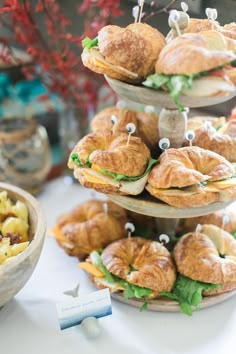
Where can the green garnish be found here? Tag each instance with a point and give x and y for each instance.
(89, 43)
(76, 159)
(188, 293)
(233, 234)
(120, 177)
(174, 84)
(130, 290)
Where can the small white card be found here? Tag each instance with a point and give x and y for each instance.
(72, 313)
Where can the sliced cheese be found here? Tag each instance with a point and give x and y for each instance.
(91, 269)
(129, 187)
(224, 183)
(209, 86)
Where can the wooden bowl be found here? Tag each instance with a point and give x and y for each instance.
(15, 274)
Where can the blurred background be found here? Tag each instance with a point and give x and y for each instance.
(42, 77)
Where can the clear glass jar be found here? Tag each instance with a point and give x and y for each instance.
(25, 155)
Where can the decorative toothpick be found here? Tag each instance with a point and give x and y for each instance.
(135, 13)
(113, 122)
(190, 135)
(198, 228)
(211, 15)
(149, 109)
(130, 127)
(164, 239)
(164, 144)
(130, 228)
(140, 4)
(174, 21)
(225, 220)
(120, 104)
(105, 207)
(184, 6)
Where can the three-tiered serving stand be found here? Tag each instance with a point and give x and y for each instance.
(172, 124)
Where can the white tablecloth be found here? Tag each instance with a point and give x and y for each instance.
(29, 324)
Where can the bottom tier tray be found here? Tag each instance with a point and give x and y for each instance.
(148, 205)
(168, 305)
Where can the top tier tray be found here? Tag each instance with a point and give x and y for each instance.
(141, 94)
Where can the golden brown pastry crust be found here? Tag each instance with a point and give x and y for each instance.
(222, 141)
(127, 54)
(197, 257)
(153, 264)
(146, 124)
(191, 54)
(88, 227)
(187, 166)
(190, 224)
(110, 152)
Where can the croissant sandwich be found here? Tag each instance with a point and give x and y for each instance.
(221, 140)
(206, 265)
(111, 163)
(127, 54)
(137, 267)
(146, 124)
(90, 226)
(195, 64)
(192, 177)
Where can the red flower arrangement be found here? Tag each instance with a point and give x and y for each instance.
(57, 50)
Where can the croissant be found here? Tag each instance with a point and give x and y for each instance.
(208, 256)
(216, 218)
(180, 178)
(197, 25)
(90, 226)
(221, 141)
(102, 159)
(127, 54)
(144, 263)
(146, 124)
(193, 53)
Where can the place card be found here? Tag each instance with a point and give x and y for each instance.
(72, 313)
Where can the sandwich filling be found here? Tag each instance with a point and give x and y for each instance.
(177, 85)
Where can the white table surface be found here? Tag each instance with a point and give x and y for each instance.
(29, 324)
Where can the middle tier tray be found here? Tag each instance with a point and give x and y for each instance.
(148, 205)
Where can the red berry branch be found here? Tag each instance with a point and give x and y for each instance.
(55, 51)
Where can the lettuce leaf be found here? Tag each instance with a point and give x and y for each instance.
(174, 84)
(89, 43)
(120, 177)
(233, 234)
(130, 290)
(188, 293)
(76, 159)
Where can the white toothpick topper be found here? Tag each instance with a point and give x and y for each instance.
(149, 109)
(135, 13)
(164, 144)
(225, 221)
(120, 104)
(105, 207)
(164, 239)
(174, 21)
(184, 6)
(130, 228)
(211, 15)
(140, 4)
(113, 122)
(198, 228)
(190, 135)
(130, 127)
